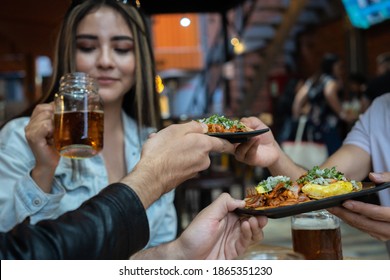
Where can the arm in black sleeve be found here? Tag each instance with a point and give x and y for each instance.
(111, 225)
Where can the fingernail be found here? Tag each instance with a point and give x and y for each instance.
(348, 205)
(205, 127)
(240, 201)
(377, 176)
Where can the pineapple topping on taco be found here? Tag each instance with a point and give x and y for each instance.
(321, 183)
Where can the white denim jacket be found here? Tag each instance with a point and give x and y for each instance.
(20, 196)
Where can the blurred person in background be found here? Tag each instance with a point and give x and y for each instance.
(381, 83)
(356, 102)
(357, 85)
(323, 91)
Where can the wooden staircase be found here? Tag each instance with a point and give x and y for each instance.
(268, 30)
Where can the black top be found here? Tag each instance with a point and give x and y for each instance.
(111, 225)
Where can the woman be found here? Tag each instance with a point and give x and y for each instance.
(108, 40)
(322, 92)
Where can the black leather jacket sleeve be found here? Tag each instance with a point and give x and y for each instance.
(111, 225)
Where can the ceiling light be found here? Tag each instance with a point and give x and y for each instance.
(185, 21)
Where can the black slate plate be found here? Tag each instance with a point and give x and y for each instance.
(239, 137)
(290, 210)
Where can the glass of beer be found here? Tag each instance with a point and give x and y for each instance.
(317, 235)
(78, 117)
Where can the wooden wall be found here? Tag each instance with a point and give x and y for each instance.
(177, 46)
(376, 41)
(28, 30)
(335, 37)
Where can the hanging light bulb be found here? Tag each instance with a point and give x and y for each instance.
(234, 41)
(185, 21)
(238, 46)
(159, 84)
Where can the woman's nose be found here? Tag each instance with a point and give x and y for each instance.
(105, 59)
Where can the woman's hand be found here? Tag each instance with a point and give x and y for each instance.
(39, 135)
(370, 218)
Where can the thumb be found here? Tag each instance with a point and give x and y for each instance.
(222, 206)
(379, 177)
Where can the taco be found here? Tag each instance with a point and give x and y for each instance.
(321, 183)
(315, 184)
(274, 191)
(222, 124)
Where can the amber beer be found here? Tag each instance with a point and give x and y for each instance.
(79, 134)
(78, 116)
(317, 237)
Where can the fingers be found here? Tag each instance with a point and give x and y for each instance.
(373, 219)
(252, 230)
(194, 131)
(222, 206)
(246, 230)
(194, 126)
(372, 211)
(231, 203)
(46, 108)
(257, 224)
(41, 124)
(216, 144)
(36, 133)
(185, 128)
(262, 220)
(242, 151)
(253, 123)
(151, 135)
(379, 177)
(220, 145)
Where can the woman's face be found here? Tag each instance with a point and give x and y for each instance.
(338, 69)
(105, 50)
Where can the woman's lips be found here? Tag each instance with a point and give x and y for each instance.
(103, 81)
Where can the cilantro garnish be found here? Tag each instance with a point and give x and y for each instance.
(321, 176)
(269, 184)
(222, 120)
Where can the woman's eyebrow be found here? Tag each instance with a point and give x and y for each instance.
(114, 38)
(120, 38)
(86, 36)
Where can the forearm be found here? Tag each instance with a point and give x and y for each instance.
(112, 225)
(345, 160)
(167, 251)
(285, 166)
(299, 101)
(146, 185)
(333, 100)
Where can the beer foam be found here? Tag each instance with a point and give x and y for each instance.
(313, 224)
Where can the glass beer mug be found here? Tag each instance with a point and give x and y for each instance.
(78, 117)
(317, 235)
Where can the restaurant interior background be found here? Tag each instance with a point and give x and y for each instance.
(234, 58)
